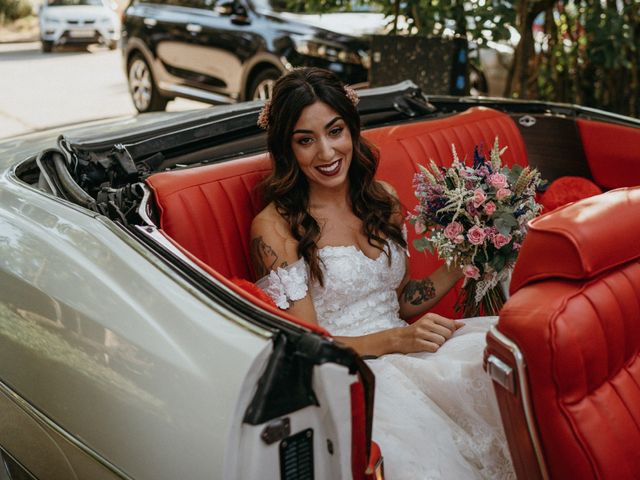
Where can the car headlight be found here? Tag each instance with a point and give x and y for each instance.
(332, 53)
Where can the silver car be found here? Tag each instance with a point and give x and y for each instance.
(78, 22)
(124, 355)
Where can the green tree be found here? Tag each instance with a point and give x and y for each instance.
(11, 10)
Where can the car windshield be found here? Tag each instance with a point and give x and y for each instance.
(300, 6)
(71, 3)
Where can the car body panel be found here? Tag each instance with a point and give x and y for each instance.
(87, 339)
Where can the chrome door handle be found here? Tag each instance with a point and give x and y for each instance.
(194, 27)
(150, 22)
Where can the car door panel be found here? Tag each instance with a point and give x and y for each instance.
(110, 348)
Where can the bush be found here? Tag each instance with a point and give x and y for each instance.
(11, 10)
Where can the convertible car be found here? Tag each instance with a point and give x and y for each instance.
(134, 345)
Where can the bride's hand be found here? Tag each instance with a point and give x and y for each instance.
(426, 334)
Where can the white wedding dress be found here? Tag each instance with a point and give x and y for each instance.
(435, 414)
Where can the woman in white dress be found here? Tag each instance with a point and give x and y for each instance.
(329, 247)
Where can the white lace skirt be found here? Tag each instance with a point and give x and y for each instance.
(436, 415)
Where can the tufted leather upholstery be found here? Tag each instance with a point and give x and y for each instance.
(575, 316)
(208, 210)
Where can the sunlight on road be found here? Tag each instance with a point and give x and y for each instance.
(67, 86)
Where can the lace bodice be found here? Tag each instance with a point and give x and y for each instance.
(359, 293)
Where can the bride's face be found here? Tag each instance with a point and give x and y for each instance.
(321, 142)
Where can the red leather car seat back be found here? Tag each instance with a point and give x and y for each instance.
(208, 210)
(611, 151)
(578, 328)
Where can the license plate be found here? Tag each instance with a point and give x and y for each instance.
(81, 33)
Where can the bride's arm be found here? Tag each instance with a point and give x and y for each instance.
(272, 247)
(418, 296)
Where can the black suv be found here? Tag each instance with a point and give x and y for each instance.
(222, 51)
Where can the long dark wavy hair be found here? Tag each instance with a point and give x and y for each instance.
(287, 186)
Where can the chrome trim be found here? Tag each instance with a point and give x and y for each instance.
(197, 93)
(524, 390)
(501, 373)
(143, 210)
(527, 121)
(37, 415)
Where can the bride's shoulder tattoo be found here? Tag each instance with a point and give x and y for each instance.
(264, 257)
(419, 291)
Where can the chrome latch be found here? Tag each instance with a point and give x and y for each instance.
(501, 373)
(527, 121)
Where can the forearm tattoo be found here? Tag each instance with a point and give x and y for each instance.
(419, 291)
(263, 256)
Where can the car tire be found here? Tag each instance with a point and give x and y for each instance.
(142, 87)
(47, 46)
(262, 84)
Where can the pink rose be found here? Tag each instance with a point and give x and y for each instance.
(471, 271)
(478, 197)
(497, 180)
(420, 227)
(501, 240)
(476, 235)
(489, 208)
(458, 240)
(452, 230)
(502, 193)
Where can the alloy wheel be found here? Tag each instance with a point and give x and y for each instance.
(140, 84)
(264, 89)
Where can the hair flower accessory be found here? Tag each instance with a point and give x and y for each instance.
(352, 95)
(263, 117)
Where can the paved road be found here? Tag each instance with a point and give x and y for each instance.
(39, 90)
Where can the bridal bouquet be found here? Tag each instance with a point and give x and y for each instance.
(476, 217)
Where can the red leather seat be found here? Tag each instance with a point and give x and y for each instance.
(208, 210)
(568, 343)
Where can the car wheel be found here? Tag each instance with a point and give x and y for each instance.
(262, 85)
(144, 92)
(47, 46)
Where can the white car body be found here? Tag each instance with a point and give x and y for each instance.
(78, 22)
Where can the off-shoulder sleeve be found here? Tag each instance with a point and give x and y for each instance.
(286, 284)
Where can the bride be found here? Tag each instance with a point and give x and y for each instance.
(330, 248)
